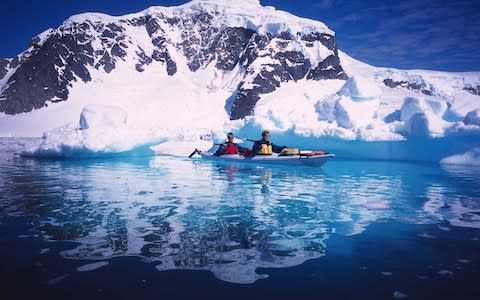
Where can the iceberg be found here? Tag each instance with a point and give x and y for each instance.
(469, 158)
(102, 131)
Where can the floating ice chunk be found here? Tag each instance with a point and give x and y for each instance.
(464, 261)
(91, 267)
(399, 295)
(444, 228)
(56, 280)
(470, 158)
(387, 273)
(427, 236)
(445, 272)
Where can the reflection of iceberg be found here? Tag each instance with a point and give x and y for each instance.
(196, 215)
(469, 158)
(461, 212)
(181, 226)
(445, 204)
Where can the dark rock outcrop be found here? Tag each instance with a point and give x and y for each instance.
(416, 87)
(229, 46)
(3, 67)
(473, 90)
(47, 73)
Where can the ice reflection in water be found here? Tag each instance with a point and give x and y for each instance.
(229, 219)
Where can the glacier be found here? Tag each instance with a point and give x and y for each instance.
(377, 113)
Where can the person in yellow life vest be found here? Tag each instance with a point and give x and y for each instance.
(229, 147)
(264, 147)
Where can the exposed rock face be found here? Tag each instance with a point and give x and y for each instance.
(47, 73)
(413, 86)
(75, 51)
(473, 90)
(286, 65)
(3, 67)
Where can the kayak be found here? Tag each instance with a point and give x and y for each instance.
(308, 158)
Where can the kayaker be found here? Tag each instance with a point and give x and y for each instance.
(264, 147)
(230, 147)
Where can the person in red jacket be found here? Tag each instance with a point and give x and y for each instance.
(230, 147)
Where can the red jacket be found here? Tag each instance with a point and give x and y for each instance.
(229, 148)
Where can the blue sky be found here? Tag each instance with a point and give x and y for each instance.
(418, 34)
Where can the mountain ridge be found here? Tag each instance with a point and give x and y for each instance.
(44, 72)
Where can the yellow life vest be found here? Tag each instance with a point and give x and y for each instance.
(265, 150)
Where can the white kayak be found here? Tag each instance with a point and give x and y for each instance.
(309, 158)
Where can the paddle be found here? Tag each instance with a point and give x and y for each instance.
(250, 140)
(194, 152)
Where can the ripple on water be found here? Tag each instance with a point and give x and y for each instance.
(232, 221)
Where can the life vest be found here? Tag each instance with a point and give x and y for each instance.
(231, 148)
(266, 149)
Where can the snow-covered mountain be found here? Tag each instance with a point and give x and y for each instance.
(228, 65)
(260, 46)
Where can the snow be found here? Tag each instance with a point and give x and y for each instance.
(469, 158)
(44, 36)
(414, 105)
(325, 113)
(126, 112)
(102, 116)
(423, 118)
(247, 14)
(352, 114)
(102, 131)
(360, 89)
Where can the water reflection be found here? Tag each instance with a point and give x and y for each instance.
(229, 219)
(445, 203)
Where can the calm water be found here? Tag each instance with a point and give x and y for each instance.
(171, 228)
